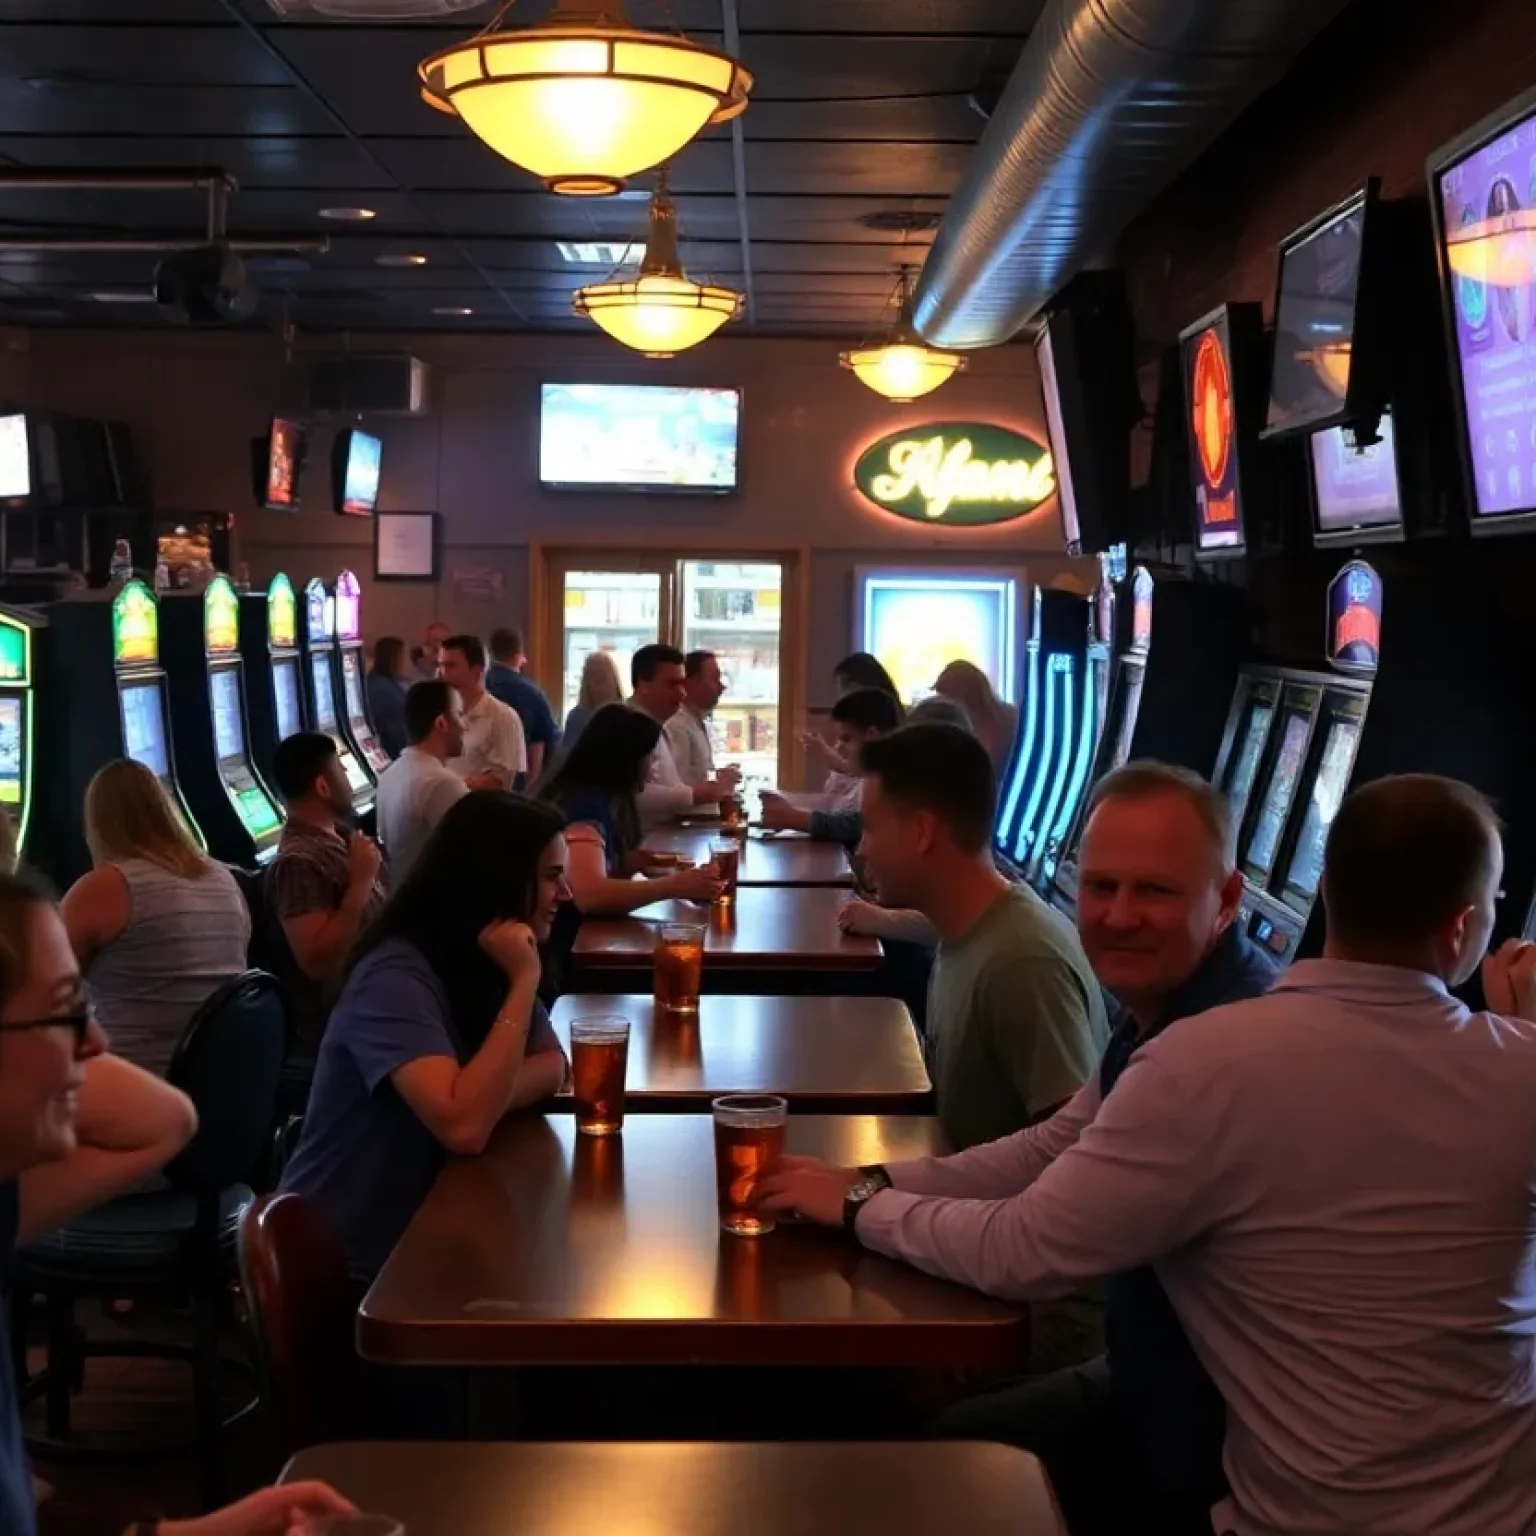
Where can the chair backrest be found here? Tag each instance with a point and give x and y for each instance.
(303, 1309)
(229, 1062)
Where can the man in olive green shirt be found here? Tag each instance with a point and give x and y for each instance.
(1016, 1020)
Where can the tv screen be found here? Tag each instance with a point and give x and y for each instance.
(144, 728)
(1315, 321)
(15, 458)
(1355, 492)
(1484, 200)
(1061, 458)
(355, 460)
(638, 437)
(277, 461)
(228, 721)
(1211, 418)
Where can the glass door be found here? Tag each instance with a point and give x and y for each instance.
(608, 610)
(736, 610)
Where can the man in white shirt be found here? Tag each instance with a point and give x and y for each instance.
(495, 751)
(687, 732)
(417, 789)
(660, 683)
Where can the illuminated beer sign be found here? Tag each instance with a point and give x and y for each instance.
(1211, 423)
(957, 474)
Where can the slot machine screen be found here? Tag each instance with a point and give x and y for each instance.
(285, 695)
(228, 726)
(12, 736)
(325, 697)
(1245, 765)
(255, 810)
(144, 727)
(1322, 806)
(1483, 195)
(353, 685)
(1354, 488)
(1278, 794)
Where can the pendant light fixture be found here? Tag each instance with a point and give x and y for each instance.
(585, 99)
(903, 366)
(660, 311)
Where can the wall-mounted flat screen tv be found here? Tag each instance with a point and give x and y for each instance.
(1483, 199)
(1355, 496)
(639, 437)
(355, 461)
(277, 461)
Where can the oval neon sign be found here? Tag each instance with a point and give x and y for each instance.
(959, 474)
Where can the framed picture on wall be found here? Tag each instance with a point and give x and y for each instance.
(405, 546)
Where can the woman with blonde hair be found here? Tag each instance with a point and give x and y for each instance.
(157, 926)
(994, 722)
(600, 684)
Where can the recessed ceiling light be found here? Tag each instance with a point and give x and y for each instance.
(349, 215)
(601, 253)
(401, 259)
(452, 309)
(121, 296)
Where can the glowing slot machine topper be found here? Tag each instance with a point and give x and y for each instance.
(221, 617)
(135, 626)
(282, 614)
(1354, 618)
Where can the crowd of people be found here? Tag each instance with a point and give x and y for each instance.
(1276, 1230)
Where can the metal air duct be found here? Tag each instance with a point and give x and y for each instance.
(1109, 101)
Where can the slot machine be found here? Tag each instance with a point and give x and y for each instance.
(1055, 665)
(1172, 690)
(105, 660)
(23, 634)
(350, 680)
(269, 647)
(201, 644)
(320, 674)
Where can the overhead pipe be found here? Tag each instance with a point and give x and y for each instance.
(152, 245)
(1108, 102)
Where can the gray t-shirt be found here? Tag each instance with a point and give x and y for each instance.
(1016, 1020)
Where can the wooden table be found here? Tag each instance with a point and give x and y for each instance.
(785, 858)
(826, 1055)
(769, 928)
(555, 1248)
(776, 1489)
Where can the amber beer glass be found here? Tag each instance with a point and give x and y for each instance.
(725, 855)
(749, 1141)
(733, 815)
(599, 1063)
(679, 967)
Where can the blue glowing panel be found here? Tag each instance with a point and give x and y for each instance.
(917, 623)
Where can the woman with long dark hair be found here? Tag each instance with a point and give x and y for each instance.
(438, 1031)
(596, 788)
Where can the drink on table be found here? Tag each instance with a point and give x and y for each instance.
(725, 855)
(749, 1141)
(599, 1062)
(679, 967)
(733, 815)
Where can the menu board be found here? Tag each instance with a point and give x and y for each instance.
(1488, 222)
(1282, 790)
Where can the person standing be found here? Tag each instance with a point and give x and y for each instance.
(658, 677)
(429, 653)
(687, 732)
(494, 754)
(419, 788)
(994, 721)
(504, 680)
(1335, 1184)
(326, 882)
(601, 683)
(388, 681)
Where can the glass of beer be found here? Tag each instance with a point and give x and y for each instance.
(679, 967)
(732, 813)
(725, 855)
(599, 1062)
(749, 1141)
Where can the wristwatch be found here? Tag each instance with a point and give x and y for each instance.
(870, 1182)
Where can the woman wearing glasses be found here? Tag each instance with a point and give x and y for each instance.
(78, 1126)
